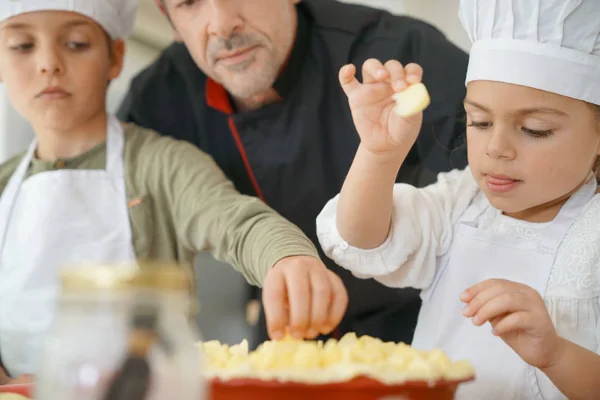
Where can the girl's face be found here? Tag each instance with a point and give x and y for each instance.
(529, 150)
(56, 67)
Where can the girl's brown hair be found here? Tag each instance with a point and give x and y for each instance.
(596, 168)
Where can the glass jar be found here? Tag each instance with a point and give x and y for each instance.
(121, 330)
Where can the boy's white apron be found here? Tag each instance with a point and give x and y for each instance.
(47, 220)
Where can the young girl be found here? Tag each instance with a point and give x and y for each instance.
(513, 240)
(91, 189)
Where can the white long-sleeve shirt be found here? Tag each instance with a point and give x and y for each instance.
(421, 233)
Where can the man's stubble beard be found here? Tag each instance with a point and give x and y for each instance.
(245, 84)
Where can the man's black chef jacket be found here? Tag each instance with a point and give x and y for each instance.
(295, 154)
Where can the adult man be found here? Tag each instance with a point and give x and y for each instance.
(255, 85)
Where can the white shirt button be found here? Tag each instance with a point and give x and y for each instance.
(344, 245)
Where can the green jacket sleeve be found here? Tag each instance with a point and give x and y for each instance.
(210, 215)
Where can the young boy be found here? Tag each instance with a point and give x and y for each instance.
(92, 189)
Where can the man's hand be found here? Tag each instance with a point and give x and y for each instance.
(518, 315)
(302, 295)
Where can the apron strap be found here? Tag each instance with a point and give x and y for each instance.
(478, 205)
(11, 191)
(115, 145)
(567, 215)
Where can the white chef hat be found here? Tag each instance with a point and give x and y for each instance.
(115, 16)
(551, 45)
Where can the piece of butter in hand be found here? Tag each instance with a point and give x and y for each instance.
(411, 100)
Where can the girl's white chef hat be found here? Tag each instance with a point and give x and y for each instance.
(117, 17)
(551, 45)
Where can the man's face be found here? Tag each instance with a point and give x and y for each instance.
(241, 44)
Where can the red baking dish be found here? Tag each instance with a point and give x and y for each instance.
(22, 389)
(356, 389)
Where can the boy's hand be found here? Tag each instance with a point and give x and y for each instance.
(302, 295)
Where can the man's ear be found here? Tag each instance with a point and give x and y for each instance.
(161, 7)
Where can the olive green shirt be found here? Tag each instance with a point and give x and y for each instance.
(181, 204)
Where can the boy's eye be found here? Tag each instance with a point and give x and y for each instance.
(78, 45)
(21, 47)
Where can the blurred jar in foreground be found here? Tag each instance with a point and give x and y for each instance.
(122, 332)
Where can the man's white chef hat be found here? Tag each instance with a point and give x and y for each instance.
(115, 16)
(551, 45)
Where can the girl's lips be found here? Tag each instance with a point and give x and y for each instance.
(501, 183)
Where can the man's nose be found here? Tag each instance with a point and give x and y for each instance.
(224, 18)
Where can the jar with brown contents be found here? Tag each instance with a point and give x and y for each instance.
(122, 332)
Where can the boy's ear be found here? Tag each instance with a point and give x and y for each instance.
(116, 59)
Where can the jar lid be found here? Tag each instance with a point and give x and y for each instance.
(126, 276)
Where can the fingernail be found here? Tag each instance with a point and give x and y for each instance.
(466, 311)
(325, 329)
(464, 296)
(477, 320)
(277, 335)
(297, 335)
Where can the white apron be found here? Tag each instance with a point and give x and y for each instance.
(47, 220)
(477, 255)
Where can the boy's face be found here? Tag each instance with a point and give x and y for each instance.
(56, 67)
(528, 149)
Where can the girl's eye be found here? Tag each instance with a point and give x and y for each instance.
(479, 125)
(537, 134)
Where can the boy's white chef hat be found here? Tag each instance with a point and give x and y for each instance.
(551, 45)
(115, 16)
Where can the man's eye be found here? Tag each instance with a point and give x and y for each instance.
(187, 3)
